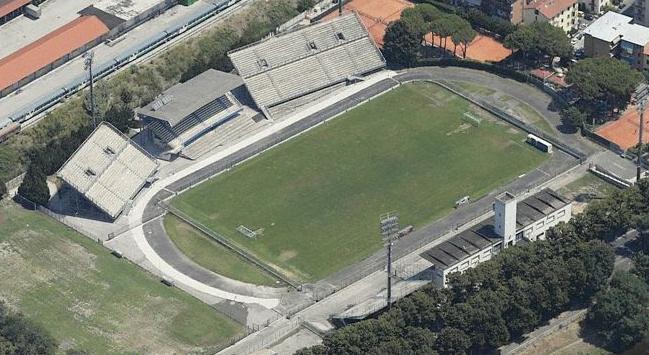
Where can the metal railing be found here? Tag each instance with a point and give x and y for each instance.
(228, 244)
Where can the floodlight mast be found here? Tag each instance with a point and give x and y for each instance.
(87, 63)
(389, 227)
(641, 97)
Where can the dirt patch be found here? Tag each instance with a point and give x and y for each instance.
(287, 255)
(460, 129)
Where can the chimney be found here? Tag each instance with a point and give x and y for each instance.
(505, 218)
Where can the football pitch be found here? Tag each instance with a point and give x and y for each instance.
(316, 199)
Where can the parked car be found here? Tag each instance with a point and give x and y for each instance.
(588, 17)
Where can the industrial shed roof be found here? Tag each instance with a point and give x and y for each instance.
(49, 48)
(8, 6)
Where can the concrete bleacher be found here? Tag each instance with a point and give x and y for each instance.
(297, 63)
(108, 169)
(226, 134)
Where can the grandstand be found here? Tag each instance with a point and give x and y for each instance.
(293, 64)
(108, 169)
(187, 111)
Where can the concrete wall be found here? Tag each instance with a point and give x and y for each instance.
(594, 47)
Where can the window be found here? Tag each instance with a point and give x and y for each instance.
(561, 213)
(540, 224)
(540, 236)
(550, 219)
(464, 265)
(519, 236)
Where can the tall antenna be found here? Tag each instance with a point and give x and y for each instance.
(389, 226)
(87, 64)
(641, 95)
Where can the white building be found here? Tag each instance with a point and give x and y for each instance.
(513, 222)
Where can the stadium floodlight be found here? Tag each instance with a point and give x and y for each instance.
(641, 96)
(88, 58)
(389, 227)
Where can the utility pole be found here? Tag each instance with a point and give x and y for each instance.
(88, 59)
(389, 226)
(641, 95)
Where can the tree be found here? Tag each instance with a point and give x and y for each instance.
(19, 336)
(620, 316)
(3, 188)
(539, 39)
(34, 186)
(120, 116)
(452, 341)
(605, 81)
(303, 5)
(573, 116)
(463, 35)
(401, 45)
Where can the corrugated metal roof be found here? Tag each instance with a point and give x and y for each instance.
(49, 48)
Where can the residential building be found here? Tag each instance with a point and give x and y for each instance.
(595, 6)
(615, 35)
(559, 13)
(641, 12)
(510, 10)
(513, 222)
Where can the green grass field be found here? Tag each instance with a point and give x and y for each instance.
(89, 300)
(213, 256)
(318, 197)
(521, 109)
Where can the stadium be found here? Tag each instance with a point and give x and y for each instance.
(308, 208)
(254, 197)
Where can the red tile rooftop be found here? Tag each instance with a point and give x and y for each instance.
(9, 6)
(49, 48)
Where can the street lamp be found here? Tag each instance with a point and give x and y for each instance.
(87, 65)
(641, 95)
(389, 226)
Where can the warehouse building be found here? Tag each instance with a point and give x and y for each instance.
(294, 64)
(49, 52)
(101, 21)
(513, 222)
(108, 169)
(10, 9)
(187, 111)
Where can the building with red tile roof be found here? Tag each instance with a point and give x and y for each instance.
(50, 51)
(559, 13)
(11, 8)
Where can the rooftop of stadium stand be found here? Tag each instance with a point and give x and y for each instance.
(471, 241)
(299, 62)
(49, 48)
(108, 169)
(9, 6)
(181, 100)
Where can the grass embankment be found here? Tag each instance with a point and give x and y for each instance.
(213, 256)
(89, 300)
